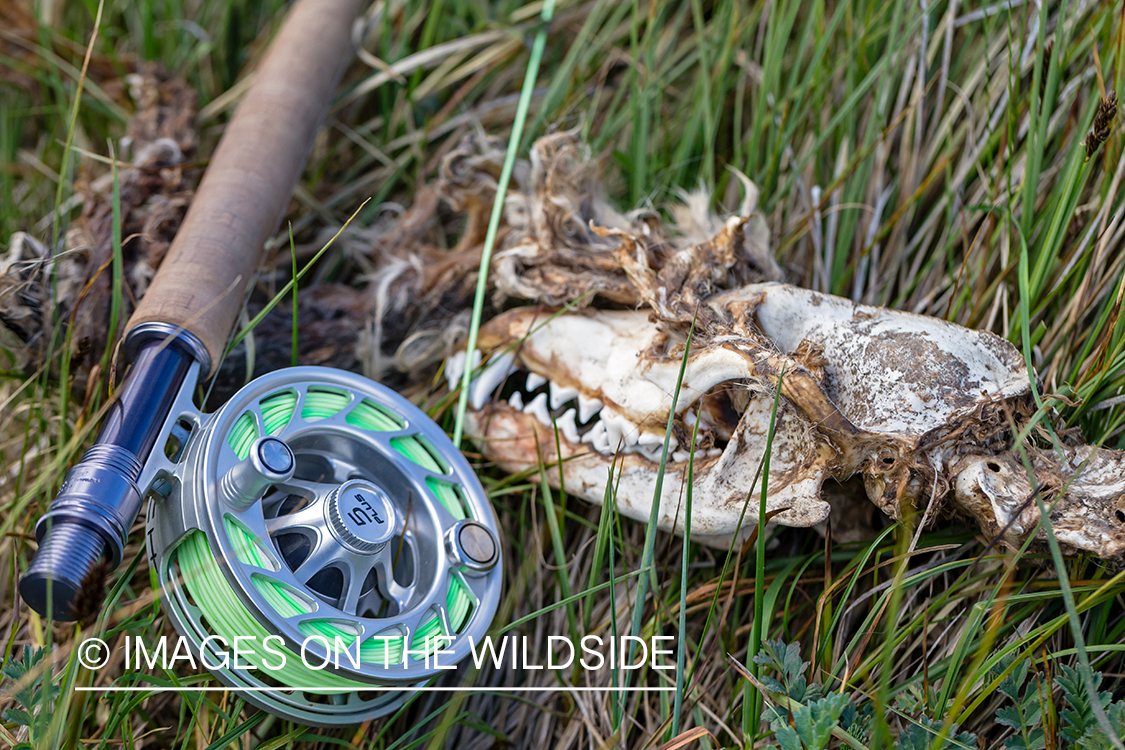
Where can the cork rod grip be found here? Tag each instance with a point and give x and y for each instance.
(246, 188)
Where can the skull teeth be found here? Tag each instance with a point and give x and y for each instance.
(620, 429)
(561, 394)
(538, 408)
(597, 437)
(684, 456)
(488, 381)
(588, 407)
(656, 441)
(578, 418)
(567, 427)
(455, 367)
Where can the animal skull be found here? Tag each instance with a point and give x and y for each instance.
(905, 400)
(922, 409)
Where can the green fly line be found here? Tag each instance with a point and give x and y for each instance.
(321, 403)
(223, 610)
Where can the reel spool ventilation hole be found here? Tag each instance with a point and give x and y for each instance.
(323, 508)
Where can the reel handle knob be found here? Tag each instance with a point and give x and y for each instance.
(270, 461)
(474, 545)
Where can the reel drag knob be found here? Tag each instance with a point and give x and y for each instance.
(270, 461)
(361, 516)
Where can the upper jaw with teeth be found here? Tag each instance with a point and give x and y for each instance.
(505, 382)
(593, 377)
(610, 407)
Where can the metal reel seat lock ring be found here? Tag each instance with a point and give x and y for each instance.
(327, 511)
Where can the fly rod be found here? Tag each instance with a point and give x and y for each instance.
(319, 514)
(192, 304)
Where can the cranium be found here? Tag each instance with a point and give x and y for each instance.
(924, 410)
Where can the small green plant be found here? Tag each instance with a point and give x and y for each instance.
(1078, 716)
(812, 724)
(806, 720)
(1025, 715)
(920, 735)
(33, 693)
(806, 717)
(785, 659)
(1078, 724)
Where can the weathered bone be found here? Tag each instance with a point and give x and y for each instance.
(1084, 493)
(923, 409)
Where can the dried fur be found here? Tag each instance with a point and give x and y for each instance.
(559, 242)
(155, 183)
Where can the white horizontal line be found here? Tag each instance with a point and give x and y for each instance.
(379, 688)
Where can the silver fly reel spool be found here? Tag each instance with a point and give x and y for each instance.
(320, 515)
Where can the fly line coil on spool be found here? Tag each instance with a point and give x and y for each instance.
(324, 510)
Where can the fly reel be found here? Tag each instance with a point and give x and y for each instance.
(330, 528)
